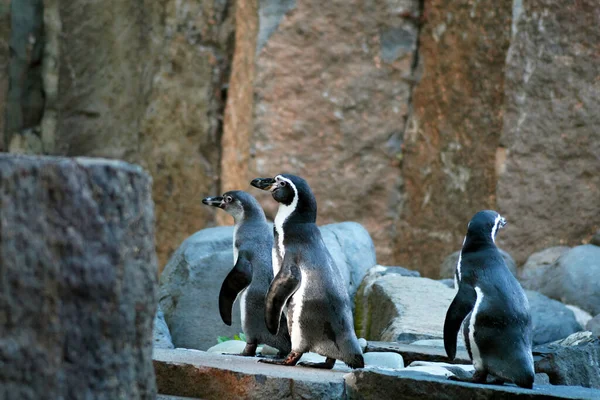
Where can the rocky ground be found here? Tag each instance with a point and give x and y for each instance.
(399, 315)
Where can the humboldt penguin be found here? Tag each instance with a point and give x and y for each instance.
(497, 322)
(319, 314)
(252, 272)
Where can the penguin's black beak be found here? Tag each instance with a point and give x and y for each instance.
(216, 201)
(263, 183)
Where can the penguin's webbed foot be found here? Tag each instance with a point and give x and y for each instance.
(290, 360)
(249, 351)
(328, 364)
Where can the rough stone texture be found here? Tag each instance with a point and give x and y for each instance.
(139, 80)
(78, 278)
(161, 334)
(449, 265)
(399, 308)
(237, 121)
(181, 128)
(190, 283)
(208, 376)
(582, 317)
(414, 385)
(593, 325)
(220, 377)
(332, 95)
(551, 125)
(453, 133)
(571, 361)
(573, 278)
(361, 303)
(538, 264)
(551, 319)
(5, 27)
(25, 97)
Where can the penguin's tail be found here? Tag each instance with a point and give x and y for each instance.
(355, 361)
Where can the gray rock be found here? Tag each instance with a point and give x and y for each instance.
(162, 336)
(573, 361)
(551, 319)
(538, 264)
(595, 239)
(593, 325)
(573, 278)
(582, 317)
(449, 264)
(190, 283)
(78, 270)
(421, 383)
(270, 13)
(448, 282)
(392, 307)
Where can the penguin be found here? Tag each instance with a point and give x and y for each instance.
(319, 314)
(252, 272)
(497, 321)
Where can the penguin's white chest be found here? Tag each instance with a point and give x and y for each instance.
(236, 252)
(477, 361)
(243, 295)
(299, 299)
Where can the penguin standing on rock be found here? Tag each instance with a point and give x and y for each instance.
(497, 321)
(252, 272)
(319, 314)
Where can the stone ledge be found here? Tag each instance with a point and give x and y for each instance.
(198, 374)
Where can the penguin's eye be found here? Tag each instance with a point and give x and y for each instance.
(282, 183)
(228, 199)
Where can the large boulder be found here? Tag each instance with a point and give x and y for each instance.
(449, 265)
(538, 264)
(190, 283)
(573, 361)
(78, 272)
(572, 278)
(548, 181)
(391, 307)
(551, 319)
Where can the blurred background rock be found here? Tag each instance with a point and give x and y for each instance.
(406, 116)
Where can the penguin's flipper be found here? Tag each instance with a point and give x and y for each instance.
(237, 280)
(461, 306)
(282, 288)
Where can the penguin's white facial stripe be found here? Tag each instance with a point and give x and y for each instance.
(477, 362)
(284, 213)
(498, 223)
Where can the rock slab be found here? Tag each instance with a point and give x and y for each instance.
(199, 374)
(191, 281)
(78, 276)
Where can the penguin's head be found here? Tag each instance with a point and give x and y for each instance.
(237, 203)
(290, 190)
(485, 225)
